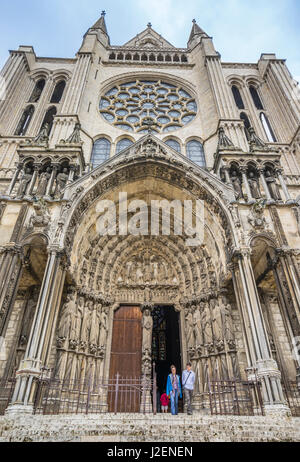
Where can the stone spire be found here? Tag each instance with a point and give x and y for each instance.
(196, 32)
(100, 24)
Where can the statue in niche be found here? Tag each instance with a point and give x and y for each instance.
(24, 182)
(207, 324)
(77, 319)
(226, 320)
(103, 326)
(216, 320)
(139, 273)
(61, 181)
(254, 186)
(272, 185)
(86, 324)
(68, 311)
(198, 327)
(237, 185)
(147, 328)
(43, 182)
(189, 328)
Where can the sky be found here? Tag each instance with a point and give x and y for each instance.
(241, 29)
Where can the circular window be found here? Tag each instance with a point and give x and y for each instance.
(143, 104)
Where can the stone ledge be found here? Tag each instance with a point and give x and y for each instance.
(140, 428)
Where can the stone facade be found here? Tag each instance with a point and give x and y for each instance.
(225, 133)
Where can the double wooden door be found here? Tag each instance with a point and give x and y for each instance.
(126, 359)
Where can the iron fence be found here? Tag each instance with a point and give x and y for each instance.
(234, 397)
(6, 392)
(116, 395)
(291, 392)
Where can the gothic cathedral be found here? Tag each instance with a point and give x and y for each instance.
(147, 122)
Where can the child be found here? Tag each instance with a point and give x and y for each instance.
(164, 399)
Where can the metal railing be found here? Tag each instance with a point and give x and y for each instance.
(116, 395)
(291, 392)
(234, 397)
(6, 392)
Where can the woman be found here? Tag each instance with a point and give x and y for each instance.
(174, 389)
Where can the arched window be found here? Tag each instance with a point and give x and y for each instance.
(195, 153)
(256, 98)
(25, 121)
(101, 152)
(49, 118)
(58, 92)
(237, 97)
(267, 127)
(174, 145)
(36, 94)
(123, 144)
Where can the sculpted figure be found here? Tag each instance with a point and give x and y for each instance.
(189, 328)
(61, 181)
(77, 319)
(43, 183)
(254, 186)
(207, 325)
(147, 328)
(237, 186)
(197, 327)
(272, 185)
(68, 311)
(216, 320)
(103, 326)
(227, 320)
(86, 324)
(24, 182)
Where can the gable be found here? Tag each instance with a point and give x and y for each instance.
(149, 39)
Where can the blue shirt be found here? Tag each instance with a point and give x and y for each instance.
(170, 385)
(188, 380)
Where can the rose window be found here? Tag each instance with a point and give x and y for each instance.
(139, 105)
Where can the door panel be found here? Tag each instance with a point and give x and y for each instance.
(126, 357)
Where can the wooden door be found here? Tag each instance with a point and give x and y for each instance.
(126, 358)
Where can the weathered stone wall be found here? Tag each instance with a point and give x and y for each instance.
(140, 428)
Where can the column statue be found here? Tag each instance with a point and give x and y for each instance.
(61, 181)
(237, 186)
(254, 186)
(272, 185)
(24, 182)
(43, 182)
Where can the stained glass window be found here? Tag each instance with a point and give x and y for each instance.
(170, 107)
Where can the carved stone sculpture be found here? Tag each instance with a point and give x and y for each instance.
(272, 185)
(254, 186)
(24, 182)
(236, 182)
(43, 182)
(61, 181)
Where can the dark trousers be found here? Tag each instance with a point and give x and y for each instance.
(188, 395)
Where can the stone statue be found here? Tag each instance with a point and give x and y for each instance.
(86, 324)
(237, 186)
(147, 328)
(216, 320)
(272, 185)
(24, 182)
(189, 328)
(103, 326)
(67, 314)
(77, 319)
(207, 325)
(254, 186)
(61, 181)
(75, 136)
(198, 327)
(43, 183)
(226, 319)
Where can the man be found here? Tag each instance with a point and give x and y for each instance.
(188, 381)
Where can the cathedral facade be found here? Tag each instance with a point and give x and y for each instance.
(158, 123)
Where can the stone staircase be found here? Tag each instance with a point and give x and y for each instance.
(148, 428)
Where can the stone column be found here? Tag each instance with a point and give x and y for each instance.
(250, 199)
(265, 186)
(285, 190)
(14, 179)
(257, 339)
(41, 335)
(147, 325)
